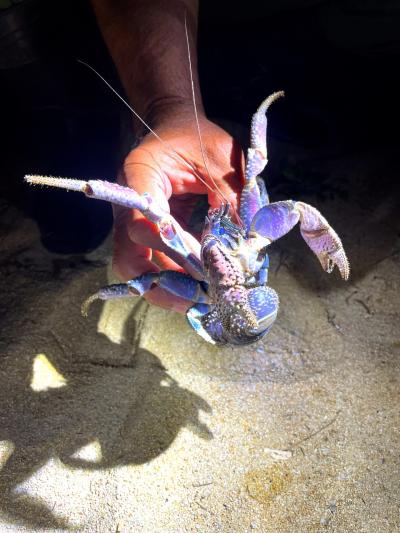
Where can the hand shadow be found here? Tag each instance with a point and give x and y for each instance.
(134, 411)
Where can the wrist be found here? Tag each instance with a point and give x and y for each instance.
(148, 44)
(160, 113)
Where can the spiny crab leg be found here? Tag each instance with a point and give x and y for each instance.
(185, 248)
(276, 219)
(254, 196)
(102, 190)
(176, 283)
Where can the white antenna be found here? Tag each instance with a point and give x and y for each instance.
(181, 159)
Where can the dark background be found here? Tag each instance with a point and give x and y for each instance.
(337, 61)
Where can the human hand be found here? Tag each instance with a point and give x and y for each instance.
(154, 167)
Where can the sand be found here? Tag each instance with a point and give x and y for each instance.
(127, 421)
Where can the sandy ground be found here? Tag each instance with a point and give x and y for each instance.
(128, 422)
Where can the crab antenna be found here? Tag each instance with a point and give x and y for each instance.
(203, 152)
(181, 159)
(122, 100)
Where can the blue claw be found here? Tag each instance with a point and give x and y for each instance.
(206, 323)
(264, 302)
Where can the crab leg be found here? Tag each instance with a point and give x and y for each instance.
(185, 246)
(176, 283)
(254, 195)
(276, 219)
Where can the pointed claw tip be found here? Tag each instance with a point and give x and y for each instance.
(34, 179)
(274, 96)
(344, 267)
(51, 181)
(278, 94)
(87, 303)
(270, 99)
(345, 272)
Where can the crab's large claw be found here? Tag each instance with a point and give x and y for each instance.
(184, 248)
(238, 325)
(276, 219)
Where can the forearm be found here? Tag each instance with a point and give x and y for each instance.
(146, 39)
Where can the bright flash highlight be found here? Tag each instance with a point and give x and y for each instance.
(90, 453)
(45, 376)
(6, 450)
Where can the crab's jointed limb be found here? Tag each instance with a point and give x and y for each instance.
(185, 249)
(227, 273)
(176, 283)
(254, 194)
(276, 219)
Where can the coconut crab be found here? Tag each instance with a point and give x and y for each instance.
(227, 272)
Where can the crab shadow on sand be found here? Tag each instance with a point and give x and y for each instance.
(118, 394)
(130, 406)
